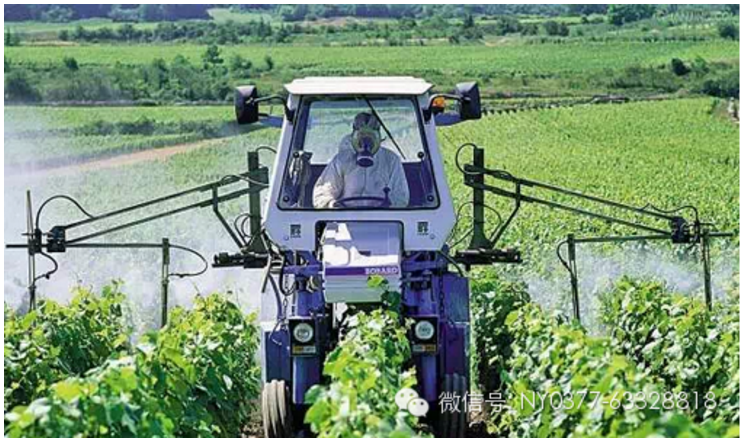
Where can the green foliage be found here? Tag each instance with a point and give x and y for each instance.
(124, 72)
(621, 14)
(599, 388)
(365, 371)
(723, 85)
(212, 55)
(729, 31)
(553, 28)
(11, 38)
(70, 63)
(492, 301)
(55, 341)
(677, 339)
(678, 67)
(197, 377)
(621, 152)
(269, 61)
(18, 87)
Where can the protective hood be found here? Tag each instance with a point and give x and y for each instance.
(366, 138)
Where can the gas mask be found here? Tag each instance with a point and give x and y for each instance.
(366, 139)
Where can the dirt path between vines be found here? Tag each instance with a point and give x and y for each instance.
(153, 154)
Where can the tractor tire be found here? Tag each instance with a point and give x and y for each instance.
(276, 410)
(453, 424)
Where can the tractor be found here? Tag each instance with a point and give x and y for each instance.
(331, 251)
(318, 252)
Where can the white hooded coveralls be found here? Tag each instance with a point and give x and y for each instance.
(343, 178)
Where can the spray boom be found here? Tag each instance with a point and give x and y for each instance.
(252, 253)
(660, 224)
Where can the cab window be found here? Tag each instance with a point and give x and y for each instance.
(358, 153)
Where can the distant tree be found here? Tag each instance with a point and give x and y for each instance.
(723, 86)
(18, 88)
(80, 33)
(283, 34)
(468, 21)
(678, 67)
(729, 31)
(556, 29)
(211, 57)
(57, 14)
(586, 9)
(70, 63)
(270, 62)
(529, 29)
(239, 66)
(621, 14)
(64, 35)
(700, 67)
(11, 38)
(507, 25)
(734, 9)
(127, 32)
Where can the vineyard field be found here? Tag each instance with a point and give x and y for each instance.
(468, 61)
(153, 304)
(196, 377)
(668, 154)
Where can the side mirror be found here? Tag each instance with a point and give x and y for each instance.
(470, 105)
(247, 108)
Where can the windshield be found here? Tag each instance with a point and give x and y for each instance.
(359, 153)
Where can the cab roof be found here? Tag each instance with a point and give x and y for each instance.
(359, 85)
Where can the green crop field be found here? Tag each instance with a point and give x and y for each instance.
(667, 153)
(468, 60)
(137, 103)
(28, 118)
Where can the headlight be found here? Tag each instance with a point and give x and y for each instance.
(424, 330)
(303, 332)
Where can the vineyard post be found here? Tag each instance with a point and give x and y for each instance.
(573, 276)
(164, 281)
(705, 244)
(31, 252)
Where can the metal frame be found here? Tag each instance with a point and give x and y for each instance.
(481, 249)
(253, 251)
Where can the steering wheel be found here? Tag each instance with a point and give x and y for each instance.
(384, 201)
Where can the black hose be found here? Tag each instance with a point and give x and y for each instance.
(265, 147)
(50, 272)
(64, 197)
(189, 274)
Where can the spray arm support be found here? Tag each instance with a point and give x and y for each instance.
(253, 251)
(57, 240)
(678, 229)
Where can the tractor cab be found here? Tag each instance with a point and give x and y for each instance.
(359, 153)
(357, 150)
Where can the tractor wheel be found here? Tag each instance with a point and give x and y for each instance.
(453, 423)
(276, 411)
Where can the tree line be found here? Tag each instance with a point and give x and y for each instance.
(133, 13)
(231, 32)
(178, 80)
(617, 14)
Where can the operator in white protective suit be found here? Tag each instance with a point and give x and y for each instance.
(362, 175)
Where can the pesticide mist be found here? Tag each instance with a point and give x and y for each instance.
(102, 190)
(599, 270)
